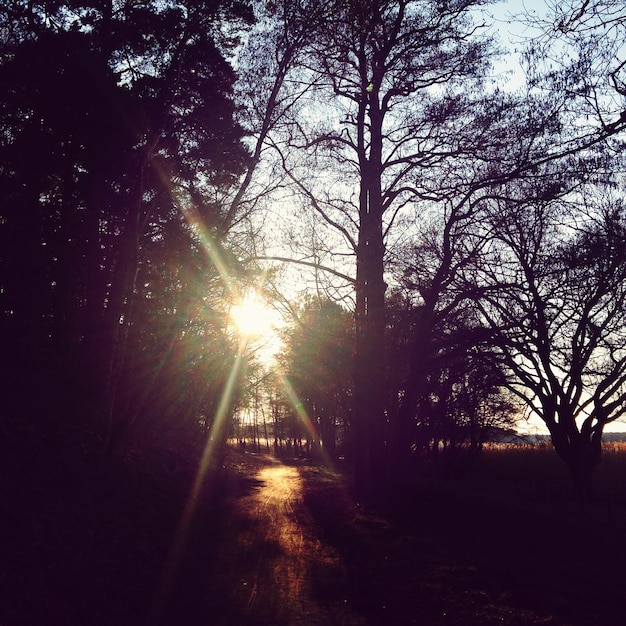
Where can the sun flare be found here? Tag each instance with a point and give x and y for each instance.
(253, 318)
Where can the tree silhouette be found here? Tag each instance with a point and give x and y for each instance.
(451, 398)
(582, 39)
(317, 362)
(374, 59)
(119, 144)
(553, 292)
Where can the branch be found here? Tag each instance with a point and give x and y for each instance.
(323, 268)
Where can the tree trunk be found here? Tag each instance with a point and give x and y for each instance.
(370, 321)
(581, 455)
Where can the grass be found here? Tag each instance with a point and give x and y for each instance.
(508, 544)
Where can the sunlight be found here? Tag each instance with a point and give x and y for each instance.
(208, 245)
(253, 318)
(256, 324)
(302, 415)
(297, 406)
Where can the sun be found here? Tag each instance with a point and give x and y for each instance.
(253, 318)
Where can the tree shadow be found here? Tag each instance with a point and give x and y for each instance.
(448, 555)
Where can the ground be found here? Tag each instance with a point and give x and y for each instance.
(297, 549)
(283, 542)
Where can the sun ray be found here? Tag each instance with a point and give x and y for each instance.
(302, 415)
(209, 246)
(253, 318)
(206, 472)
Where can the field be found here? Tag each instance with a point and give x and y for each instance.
(505, 544)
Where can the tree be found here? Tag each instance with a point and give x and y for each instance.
(317, 367)
(401, 79)
(450, 394)
(130, 108)
(58, 181)
(553, 287)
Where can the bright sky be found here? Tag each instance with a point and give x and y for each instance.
(512, 33)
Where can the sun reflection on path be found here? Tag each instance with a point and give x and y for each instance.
(285, 554)
(282, 485)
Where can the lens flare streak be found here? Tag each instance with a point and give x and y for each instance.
(297, 405)
(303, 416)
(205, 473)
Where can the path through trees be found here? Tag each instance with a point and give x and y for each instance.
(273, 561)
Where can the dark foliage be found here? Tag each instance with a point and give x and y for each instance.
(116, 124)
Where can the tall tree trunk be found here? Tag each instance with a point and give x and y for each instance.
(370, 421)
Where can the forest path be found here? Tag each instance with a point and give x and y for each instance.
(274, 564)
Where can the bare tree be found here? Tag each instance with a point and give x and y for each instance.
(554, 293)
(577, 45)
(398, 88)
(268, 95)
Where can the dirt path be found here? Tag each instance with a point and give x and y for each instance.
(271, 508)
(277, 567)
